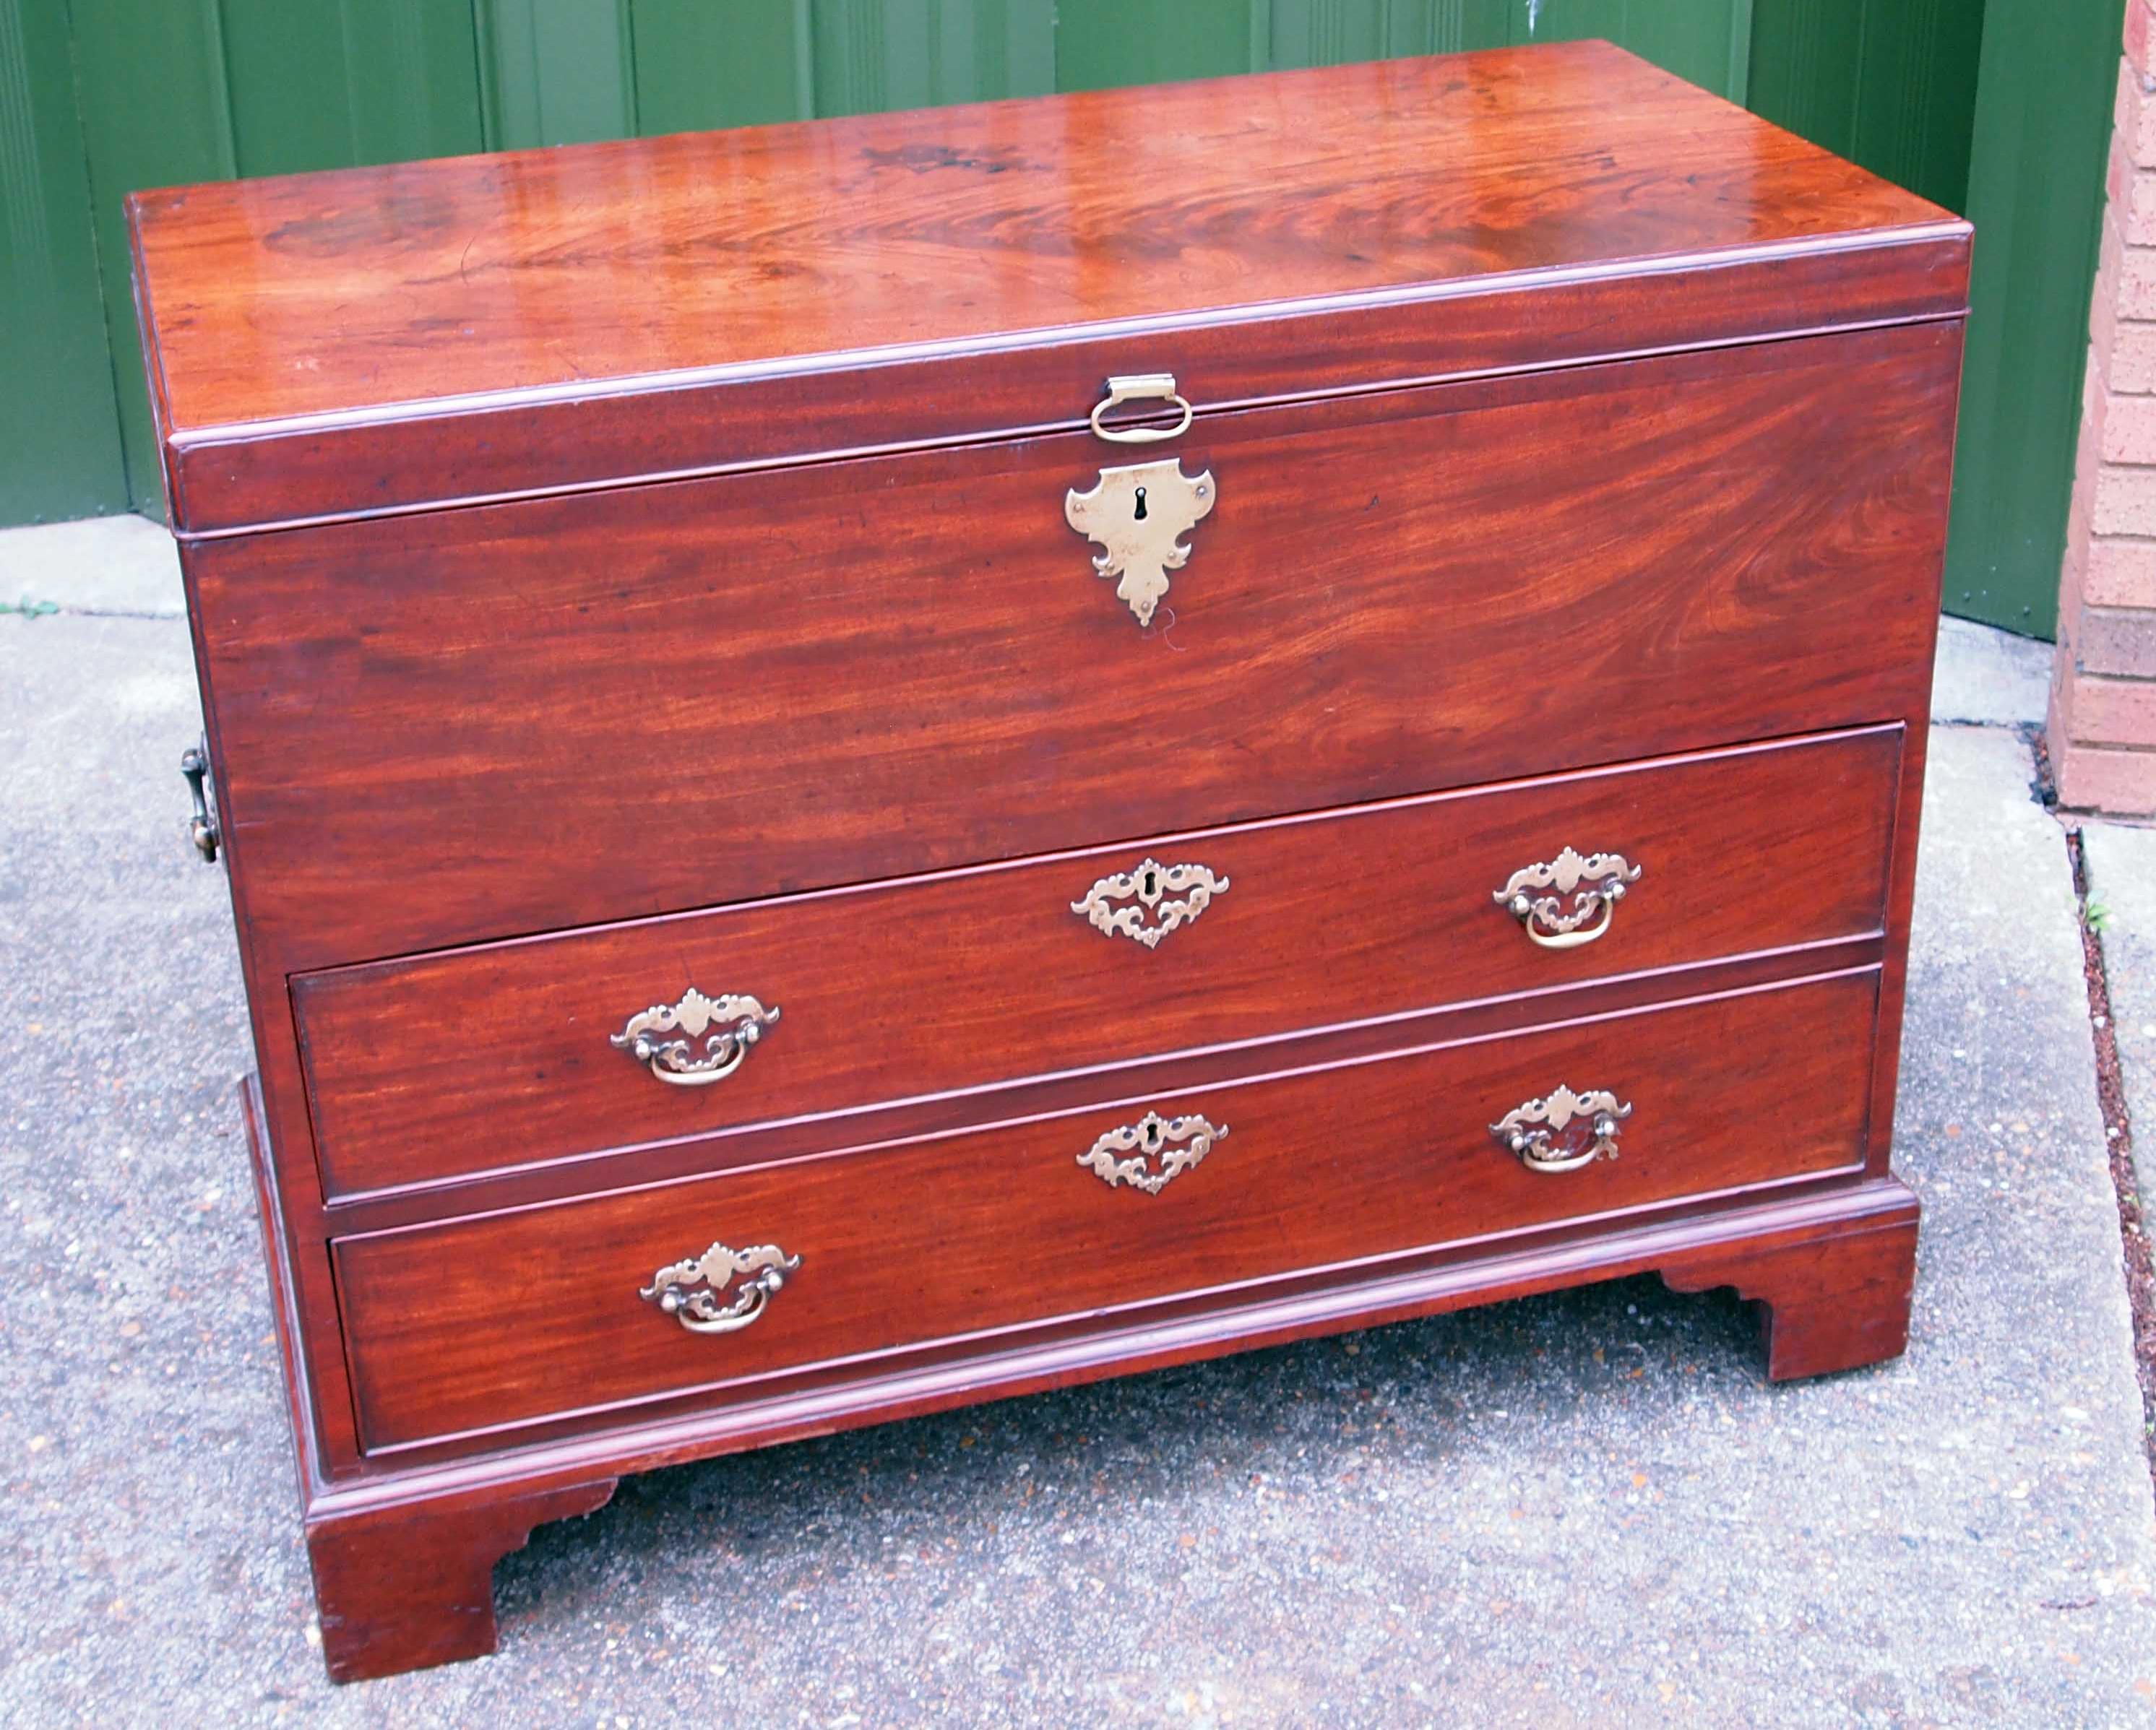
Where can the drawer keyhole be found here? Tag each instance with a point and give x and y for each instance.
(1140, 513)
(1151, 887)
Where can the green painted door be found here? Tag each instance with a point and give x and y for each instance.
(2035, 193)
(59, 430)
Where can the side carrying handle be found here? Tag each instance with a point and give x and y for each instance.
(194, 764)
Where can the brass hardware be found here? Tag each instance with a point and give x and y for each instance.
(1535, 1131)
(194, 765)
(690, 1291)
(670, 1061)
(1138, 387)
(1150, 883)
(1177, 1143)
(1595, 883)
(1138, 514)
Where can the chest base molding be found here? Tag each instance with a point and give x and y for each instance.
(404, 1558)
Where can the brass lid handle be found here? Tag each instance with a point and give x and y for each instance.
(674, 1060)
(1588, 886)
(690, 1292)
(1139, 387)
(1536, 1131)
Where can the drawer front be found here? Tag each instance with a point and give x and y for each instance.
(438, 1067)
(536, 715)
(488, 1323)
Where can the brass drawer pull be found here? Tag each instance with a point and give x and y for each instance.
(1177, 1143)
(690, 1291)
(1536, 1131)
(1595, 884)
(671, 1060)
(1150, 885)
(1138, 387)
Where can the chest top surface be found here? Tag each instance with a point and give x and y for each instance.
(303, 307)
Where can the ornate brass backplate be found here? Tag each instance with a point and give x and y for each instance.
(1536, 1131)
(690, 1292)
(1149, 900)
(1123, 1154)
(1592, 883)
(1138, 514)
(673, 1060)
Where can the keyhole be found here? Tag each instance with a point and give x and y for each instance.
(1151, 1137)
(1141, 510)
(1151, 888)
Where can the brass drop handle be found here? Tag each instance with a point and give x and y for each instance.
(1536, 1131)
(194, 765)
(1138, 387)
(1587, 888)
(690, 1292)
(674, 1061)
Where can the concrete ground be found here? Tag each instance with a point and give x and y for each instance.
(1585, 1509)
(2120, 863)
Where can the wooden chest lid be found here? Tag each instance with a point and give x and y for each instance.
(384, 340)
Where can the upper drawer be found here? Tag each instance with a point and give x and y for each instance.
(452, 1064)
(485, 722)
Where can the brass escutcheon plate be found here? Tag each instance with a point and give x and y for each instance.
(1127, 1154)
(1149, 900)
(1139, 515)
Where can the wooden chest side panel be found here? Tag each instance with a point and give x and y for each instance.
(924, 985)
(564, 712)
(513, 1317)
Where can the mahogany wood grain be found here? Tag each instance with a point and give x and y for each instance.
(400, 1590)
(914, 987)
(381, 337)
(479, 1325)
(1825, 1305)
(582, 709)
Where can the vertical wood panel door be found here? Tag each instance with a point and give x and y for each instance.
(2036, 194)
(60, 425)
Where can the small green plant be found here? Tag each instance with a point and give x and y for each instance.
(30, 609)
(2095, 915)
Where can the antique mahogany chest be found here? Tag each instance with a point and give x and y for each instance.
(882, 763)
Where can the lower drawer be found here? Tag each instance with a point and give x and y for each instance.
(488, 1323)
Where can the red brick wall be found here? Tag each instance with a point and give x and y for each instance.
(2102, 721)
